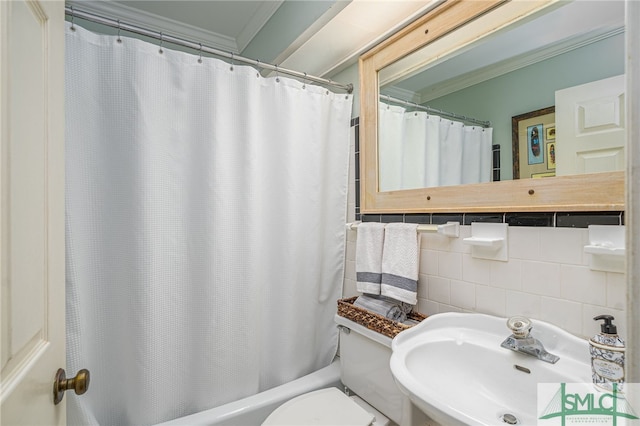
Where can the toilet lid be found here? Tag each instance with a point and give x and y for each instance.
(328, 407)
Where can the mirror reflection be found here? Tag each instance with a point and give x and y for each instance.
(541, 97)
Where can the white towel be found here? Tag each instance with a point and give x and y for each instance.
(400, 262)
(369, 257)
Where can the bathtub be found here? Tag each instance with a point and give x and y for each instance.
(253, 410)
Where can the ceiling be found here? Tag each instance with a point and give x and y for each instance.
(320, 37)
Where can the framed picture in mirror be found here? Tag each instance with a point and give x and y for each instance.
(551, 154)
(533, 143)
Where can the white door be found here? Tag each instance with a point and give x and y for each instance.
(32, 214)
(590, 127)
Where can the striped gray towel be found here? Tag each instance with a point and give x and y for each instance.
(400, 262)
(369, 257)
(388, 308)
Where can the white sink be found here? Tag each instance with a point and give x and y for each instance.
(453, 368)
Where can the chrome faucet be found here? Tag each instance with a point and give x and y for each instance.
(522, 341)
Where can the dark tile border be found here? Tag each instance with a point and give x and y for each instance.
(391, 218)
(529, 219)
(559, 220)
(584, 219)
(483, 217)
(417, 218)
(355, 122)
(442, 218)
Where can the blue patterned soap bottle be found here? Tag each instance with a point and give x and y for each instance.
(607, 356)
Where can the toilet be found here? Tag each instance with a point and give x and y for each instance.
(365, 371)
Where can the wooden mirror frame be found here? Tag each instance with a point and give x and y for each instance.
(586, 192)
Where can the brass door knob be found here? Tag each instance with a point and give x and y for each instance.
(79, 384)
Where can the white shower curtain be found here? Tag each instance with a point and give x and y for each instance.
(205, 229)
(390, 137)
(418, 150)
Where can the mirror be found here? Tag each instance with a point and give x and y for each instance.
(459, 48)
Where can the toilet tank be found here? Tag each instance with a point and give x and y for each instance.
(364, 368)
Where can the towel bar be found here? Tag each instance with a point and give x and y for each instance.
(449, 229)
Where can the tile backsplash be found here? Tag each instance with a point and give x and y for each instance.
(546, 277)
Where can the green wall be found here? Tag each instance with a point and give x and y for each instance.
(350, 75)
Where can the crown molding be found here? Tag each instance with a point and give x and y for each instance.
(400, 93)
(312, 30)
(153, 22)
(257, 21)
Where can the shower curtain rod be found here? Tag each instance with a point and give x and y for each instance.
(437, 111)
(116, 23)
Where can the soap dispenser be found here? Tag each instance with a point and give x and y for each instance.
(607, 355)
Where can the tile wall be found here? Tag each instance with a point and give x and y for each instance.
(547, 275)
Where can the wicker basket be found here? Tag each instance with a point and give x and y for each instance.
(372, 320)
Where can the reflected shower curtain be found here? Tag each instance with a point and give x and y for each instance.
(419, 150)
(205, 213)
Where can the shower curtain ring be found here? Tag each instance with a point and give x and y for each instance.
(200, 58)
(119, 40)
(259, 66)
(73, 15)
(231, 67)
(160, 51)
(277, 76)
